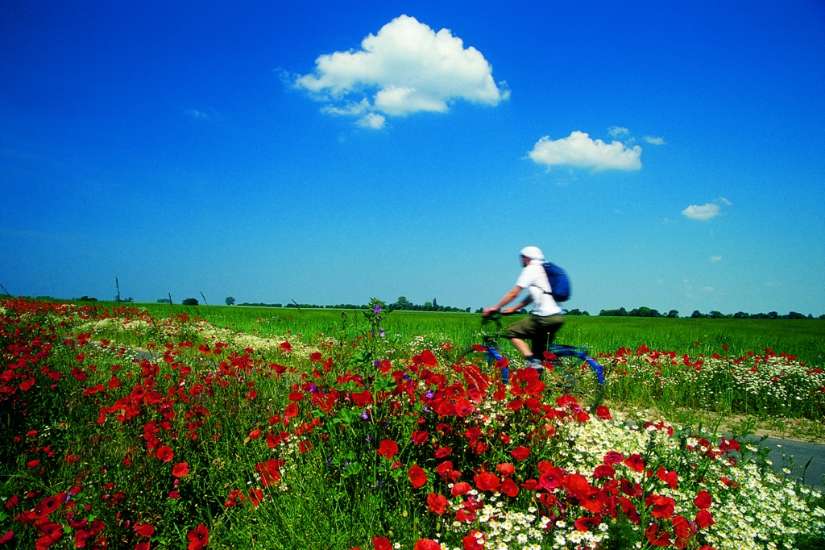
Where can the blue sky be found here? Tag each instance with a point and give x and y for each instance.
(327, 153)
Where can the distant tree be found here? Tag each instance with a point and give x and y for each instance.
(435, 303)
(696, 314)
(190, 302)
(644, 312)
(795, 315)
(716, 314)
(773, 315)
(230, 301)
(164, 301)
(401, 303)
(741, 315)
(673, 314)
(621, 312)
(87, 299)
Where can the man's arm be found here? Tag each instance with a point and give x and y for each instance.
(518, 307)
(506, 299)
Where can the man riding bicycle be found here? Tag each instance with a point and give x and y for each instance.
(546, 317)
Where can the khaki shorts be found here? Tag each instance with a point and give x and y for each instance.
(539, 330)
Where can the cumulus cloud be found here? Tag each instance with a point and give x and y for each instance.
(373, 121)
(715, 259)
(654, 140)
(580, 151)
(701, 212)
(707, 211)
(405, 68)
(618, 131)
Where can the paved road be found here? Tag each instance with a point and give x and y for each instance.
(800, 453)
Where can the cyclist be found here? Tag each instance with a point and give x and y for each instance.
(546, 317)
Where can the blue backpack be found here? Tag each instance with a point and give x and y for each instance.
(559, 282)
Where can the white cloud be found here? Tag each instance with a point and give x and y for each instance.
(707, 211)
(406, 68)
(580, 151)
(373, 121)
(715, 259)
(618, 131)
(701, 212)
(197, 114)
(654, 140)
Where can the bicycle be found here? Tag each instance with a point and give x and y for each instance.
(563, 364)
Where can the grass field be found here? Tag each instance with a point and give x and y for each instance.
(803, 338)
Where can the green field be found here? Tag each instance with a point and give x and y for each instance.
(804, 338)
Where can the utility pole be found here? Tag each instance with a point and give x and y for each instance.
(170, 298)
(117, 286)
(6, 292)
(204, 299)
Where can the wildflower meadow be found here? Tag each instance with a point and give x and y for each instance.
(125, 428)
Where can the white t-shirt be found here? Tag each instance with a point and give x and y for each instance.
(534, 279)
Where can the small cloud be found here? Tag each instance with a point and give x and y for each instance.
(701, 212)
(715, 259)
(405, 68)
(580, 151)
(349, 109)
(707, 211)
(197, 114)
(654, 140)
(618, 132)
(373, 121)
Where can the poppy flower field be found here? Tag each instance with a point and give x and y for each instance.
(126, 430)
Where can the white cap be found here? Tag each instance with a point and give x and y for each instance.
(532, 252)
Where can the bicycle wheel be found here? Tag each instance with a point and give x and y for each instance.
(571, 371)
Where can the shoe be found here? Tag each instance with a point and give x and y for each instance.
(535, 364)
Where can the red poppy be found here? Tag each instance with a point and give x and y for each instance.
(198, 537)
(703, 500)
(506, 469)
(387, 448)
(669, 477)
(461, 488)
(256, 496)
(7, 537)
(509, 488)
(704, 519)
(682, 527)
(487, 481)
(635, 462)
(663, 506)
(417, 476)
(165, 453)
(427, 544)
(181, 469)
(656, 536)
(474, 540)
(286, 347)
(437, 503)
(419, 437)
(603, 412)
(520, 453)
(362, 399)
(144, 529)
(442, 452)
(381, 543)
